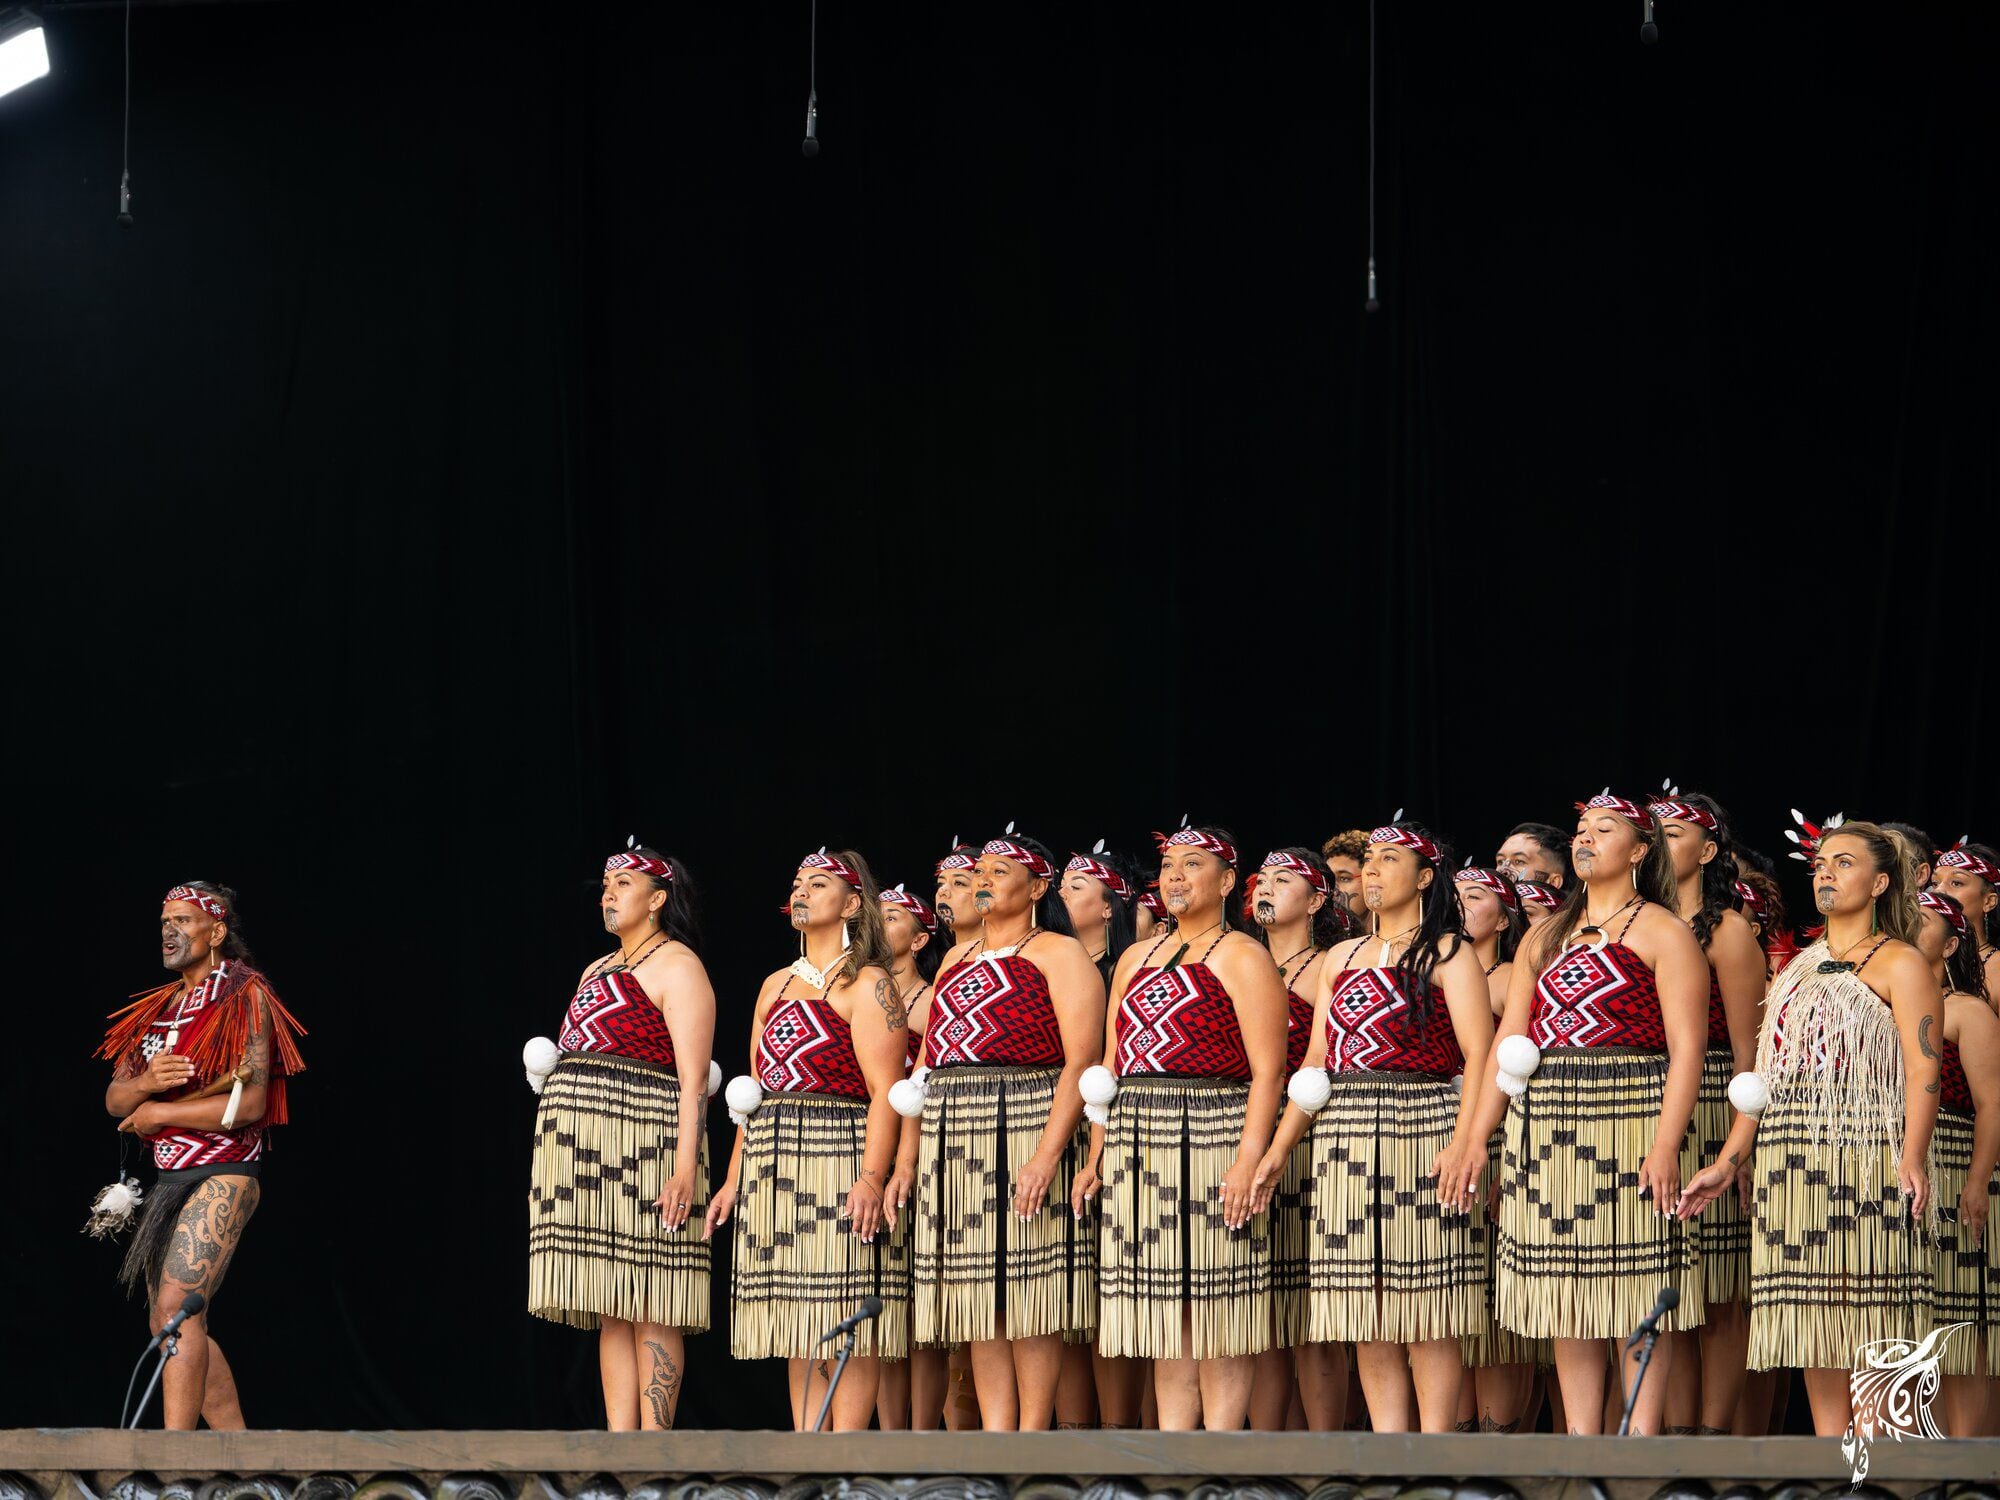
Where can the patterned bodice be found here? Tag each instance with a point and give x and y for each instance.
(1369, 1028)
(612, 1013)
(1298, 1029)
(1955, 1094)
(181, 1146)
(993, 1009)
(1718, 1017)
(1180, 1021)
(807, 1048)
(1598, 997)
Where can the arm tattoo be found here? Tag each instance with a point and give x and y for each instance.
(1735, 1160)
(893, 1008)
(665, 1384)
(258, 1053)
(1924, 1037)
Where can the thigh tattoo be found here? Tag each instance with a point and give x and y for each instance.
(206, 1234)
(665, 1384)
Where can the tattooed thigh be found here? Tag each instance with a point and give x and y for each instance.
(206, 1234)
(665, 1384)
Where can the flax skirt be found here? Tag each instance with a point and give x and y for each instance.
(604, 1147)
(1835, 1261)
(1581, 1255)
(1291, 1219)
(1723, 1230)
(1968, 1275)
(1164, 1248)
(1493, 1345)
(1384, 1261)
(980, 1272)
(797, 1268)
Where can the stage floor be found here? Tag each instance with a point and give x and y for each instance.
(88, 1463)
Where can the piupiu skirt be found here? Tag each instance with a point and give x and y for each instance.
(605, 1143)
(1291, 1228)
(980, 1272)
(1165, 1249)
(797, 1267)
(1581, 1255)
(1723, 1230)
(1968, 1275)
(1384, 1260)
(1494, 1345)
(1835, 1260)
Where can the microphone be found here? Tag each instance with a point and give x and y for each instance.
(810, 145)
(1373, 302)
(871, 1307)
(1668, 1300)
(196, 1302)
(1648, 31)
(125, 218)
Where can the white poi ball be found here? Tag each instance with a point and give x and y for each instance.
(745, 1094)
(714, 1078)
(1458, 1083)
(906, 1098)
(1519, 1056)
(1513, 1085)
(116, 1199)
(540, 1056)
(1749, 1093)
(1309, 1089)
(1099, 1085)
(918, 1074)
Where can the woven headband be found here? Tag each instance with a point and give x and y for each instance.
(1278, 859)
(1473, 875)
(1083, 864)
(835, 867)
(1023, 856)
(1155, 903)
(1409, 838)
(1194, 838)
(1747, 894)
(958, 859)
(1541, 895)
(1972, 864)
(1631, 811)
(913, 905)
(1684, 812)
(1953, 914)
(632, 859)
(202, 899)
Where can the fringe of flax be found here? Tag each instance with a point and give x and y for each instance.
(1965, 1273)
(1165, 1250)
(1386, 1263)
(1834, 1261)
(979, 1272)
(1581, 1255)
(604, 1146)
(797, 1267)
(1291, 1222)
(1856, 1101)
(1494, 1346)
(1722, 1231)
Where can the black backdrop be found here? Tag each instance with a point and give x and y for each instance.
(494, 438)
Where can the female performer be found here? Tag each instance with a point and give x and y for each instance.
(1392, 1261)
(1970, 874)
(1193, 1063)
(1840, 1112)
(1706, 1392)
(828, 1040)
(999, 1260)
(1538, 903)
(620, 1132)
(1600, 1051)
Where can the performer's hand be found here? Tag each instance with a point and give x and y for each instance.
(1236, 1188)
(1910, 1177)
(145, 1120)
(1264, 1181)
(1661, 1171)
(1972, 1214)
(1031, 1186)
(1702, 1189)
(896, 1196)
(1084, 1186)
(676, 1199)
(165, 1073)
(1458, 1170)
(720, 1203)
(864, 1211)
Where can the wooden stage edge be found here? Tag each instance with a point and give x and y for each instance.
(1292, 1455)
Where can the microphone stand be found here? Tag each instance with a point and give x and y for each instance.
(833, 1384)
(170, 1345)
(1644, 1338)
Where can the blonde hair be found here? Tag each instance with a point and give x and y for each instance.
(868, 935)
(1896, 909)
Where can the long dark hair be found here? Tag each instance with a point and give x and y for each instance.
(1654, 878)
(1051, 915)
(232, 947)
(1441, 919)
(931, 955)
(1718, 876)
(1513, 918)
(1332, 921)
(1962, 969)
(680, 918)
(1122, 931)
(1233, 918)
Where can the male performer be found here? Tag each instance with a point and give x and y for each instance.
(199, 1072)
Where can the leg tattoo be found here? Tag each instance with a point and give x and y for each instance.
(207, 1233)
(664, 1385)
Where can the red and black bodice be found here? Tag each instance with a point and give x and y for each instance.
(1371, 1027)
(807, 1048)
(1598, 997)
(181, 1146)
(1298, 1029)
(1718, 1017)
(1954, 1093)
(613, 1014)
(993, 1009)
(1179, 1021)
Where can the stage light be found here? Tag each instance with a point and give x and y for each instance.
(24, 51)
